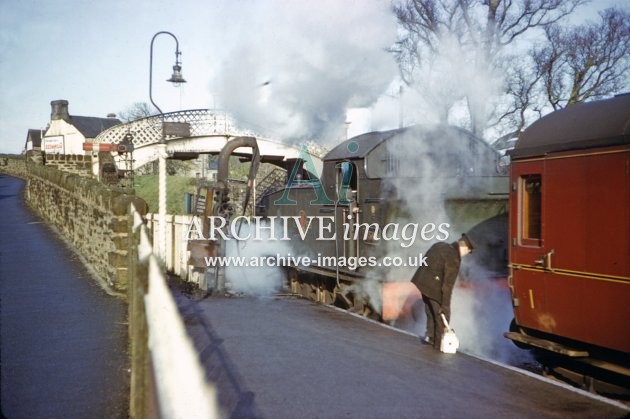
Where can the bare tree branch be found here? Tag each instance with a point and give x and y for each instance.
(136, 111)
(537, 13)
(586, 62)
(477, 39)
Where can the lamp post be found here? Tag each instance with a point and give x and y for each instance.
(176, 79)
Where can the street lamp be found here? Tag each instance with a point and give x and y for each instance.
(176, 79)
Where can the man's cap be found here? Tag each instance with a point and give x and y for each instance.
(467, 241)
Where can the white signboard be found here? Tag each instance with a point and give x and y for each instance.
(53, 144)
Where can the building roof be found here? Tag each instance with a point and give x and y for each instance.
(585, 125)
(91, 126)
(35, 137)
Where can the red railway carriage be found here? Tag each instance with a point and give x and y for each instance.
(570, 232)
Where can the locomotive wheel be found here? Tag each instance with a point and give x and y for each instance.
(340, 298)
(293, 281)
(308, 291)
(325, 291)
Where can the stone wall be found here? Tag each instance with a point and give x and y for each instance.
(91, 216)
(18, 164)
(13, 164)
(71, 163)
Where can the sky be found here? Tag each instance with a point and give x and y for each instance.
(288, 69)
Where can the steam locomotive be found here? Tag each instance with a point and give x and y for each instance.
(363, 220)
(385, 197)
(569, 252)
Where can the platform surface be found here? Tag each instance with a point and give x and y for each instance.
(292, 358)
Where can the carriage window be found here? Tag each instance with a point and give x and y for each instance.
(531, 207)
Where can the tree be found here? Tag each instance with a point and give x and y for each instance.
(585, 62)
(467, 38)
(523, 104)
(138, 110)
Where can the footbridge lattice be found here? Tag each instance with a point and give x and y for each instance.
(147, 131)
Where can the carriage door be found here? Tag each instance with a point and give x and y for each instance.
(347, 211)
(530, 260)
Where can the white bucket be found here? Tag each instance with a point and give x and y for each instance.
(450, 342)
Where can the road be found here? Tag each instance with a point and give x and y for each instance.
(63, 339)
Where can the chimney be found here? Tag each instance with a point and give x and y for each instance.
(59, 110)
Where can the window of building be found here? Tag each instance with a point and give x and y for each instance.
(531, 207)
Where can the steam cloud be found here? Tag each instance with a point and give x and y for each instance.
(419, 188)
(295, 75)
(481, 313)
(262, 281)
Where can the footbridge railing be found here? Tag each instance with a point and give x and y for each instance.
(197, 123)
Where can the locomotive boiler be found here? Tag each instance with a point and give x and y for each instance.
(569, 241)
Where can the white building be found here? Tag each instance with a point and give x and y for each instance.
(33, 140)
(66, 134)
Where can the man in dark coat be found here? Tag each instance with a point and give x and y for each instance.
(436, 281)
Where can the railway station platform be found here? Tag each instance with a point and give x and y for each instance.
(283, 357)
